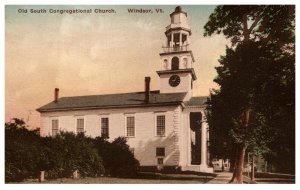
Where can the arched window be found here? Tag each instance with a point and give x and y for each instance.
(165, 65)
(175, 63)
(185, 63)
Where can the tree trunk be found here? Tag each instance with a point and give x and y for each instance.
(233, 158)
(237, 176)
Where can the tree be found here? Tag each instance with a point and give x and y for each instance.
(22, 151)
(262, 44)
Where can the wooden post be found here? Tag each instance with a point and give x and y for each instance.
(248, 161)
(252, 168)
(42, 176)
(222, 165)
(75, 174)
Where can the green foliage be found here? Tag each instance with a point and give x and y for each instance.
(117, 158)
(256, 74)
(26, 154)
(70, 152)
(257, 23)
(21, 151)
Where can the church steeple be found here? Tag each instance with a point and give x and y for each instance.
(178, 32)
(178, 40)
(177, 73)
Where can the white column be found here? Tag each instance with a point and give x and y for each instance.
(180, 39)
(167, 43)
(204, 166)
(203, 140)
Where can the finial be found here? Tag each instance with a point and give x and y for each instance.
(178, 9)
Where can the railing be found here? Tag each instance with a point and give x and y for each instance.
(178, 24)
(175, 49)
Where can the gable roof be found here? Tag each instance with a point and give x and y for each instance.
(135, 99)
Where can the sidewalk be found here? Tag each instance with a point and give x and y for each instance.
(222, 178)
(274, 178)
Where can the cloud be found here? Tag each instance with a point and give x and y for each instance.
(144, 24)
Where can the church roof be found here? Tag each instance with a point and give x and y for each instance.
(113, 100)
(196, 101)
(135, 99)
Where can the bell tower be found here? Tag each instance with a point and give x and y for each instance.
(177, 73)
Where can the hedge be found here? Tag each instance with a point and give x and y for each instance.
(26, 154)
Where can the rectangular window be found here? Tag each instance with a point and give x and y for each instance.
(130, 126)
(160, 151)
(104, 127)
(160, 161)
(160, 125)
(54, 127)
(80, 125)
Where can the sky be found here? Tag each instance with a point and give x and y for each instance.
(88, 54)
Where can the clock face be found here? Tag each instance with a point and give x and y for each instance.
(174, 80)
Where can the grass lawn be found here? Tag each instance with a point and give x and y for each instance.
(159, 179)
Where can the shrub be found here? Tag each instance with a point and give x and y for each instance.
(117, 158)
(70, 152)
(26, 154)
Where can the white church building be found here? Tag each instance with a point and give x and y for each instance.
(165, 128)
